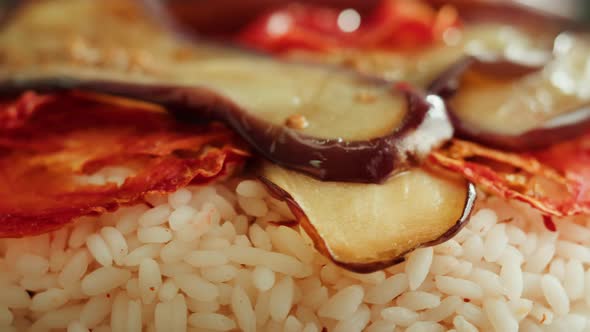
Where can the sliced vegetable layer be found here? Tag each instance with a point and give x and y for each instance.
(327, 122)
(411, 41)
(366, 227)
(517, 106)
(554, 180)
(49, 153)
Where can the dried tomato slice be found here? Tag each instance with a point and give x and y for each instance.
(392, 24)
(554, 181)
(60, 138)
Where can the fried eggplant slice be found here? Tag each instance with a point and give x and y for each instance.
(366, 124)
(366, 227)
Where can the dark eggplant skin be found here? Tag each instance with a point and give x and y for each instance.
(367, 267)
(370, 161)
(560, 128)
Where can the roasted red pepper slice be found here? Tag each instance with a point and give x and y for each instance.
(60, 138)
(392, 24)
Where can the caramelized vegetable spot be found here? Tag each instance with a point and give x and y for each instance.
(297, 121)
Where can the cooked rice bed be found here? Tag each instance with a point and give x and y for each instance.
(211, 259)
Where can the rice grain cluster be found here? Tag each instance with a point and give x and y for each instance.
(214, 258)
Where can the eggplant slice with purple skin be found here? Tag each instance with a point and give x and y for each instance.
(367, 227)
(327, 122)
(516, 106)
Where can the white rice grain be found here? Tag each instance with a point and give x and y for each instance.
(473, 314)
(116, 243)
(219, 273)
(181, 217)
(541, 314)
(459, 287)
(425, 327)
(488, 280)
(557, 268)
(103, 280)
(443, 264)
(289, 241)
(263, 278)
(462, 325)
(149, 279)
(253, 206)
(400, 316)
(473, 248)
(512, 279)
(251, 189)
(155, 216)
(136, 256)
(99, 250)
(520, 308)
(417, 300)
(418, 265)
(163, 316)
(196, 287)
(450, 247)
(180, 198)
(355, 322)
(540, 258)
(381, 326)
(30, 264)
(262, 308)
(212, 321)
(119, 312)
(292, 324)
(76, 326)
(574, 280)
(175, 250)
(387, 290)
(281, 298)
(242, 309)
(48, 300)
(572, 250)
(275, 261)
(80, 234)
(60, 318)
(495, 243)
(555, 294)
(482, 221)
(155, 234)
(134, 321)
(342, 304)
(95, 311)
(204, 258)
(168, 290)
(179, 317)
(445, 309)
(500, 315)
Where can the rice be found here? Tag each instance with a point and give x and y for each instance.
(208, 259)
(417, 267)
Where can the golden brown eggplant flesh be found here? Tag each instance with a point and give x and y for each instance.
(367, 227)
